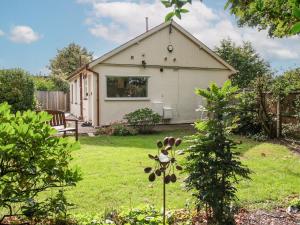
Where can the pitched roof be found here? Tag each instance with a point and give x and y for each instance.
(151, 32)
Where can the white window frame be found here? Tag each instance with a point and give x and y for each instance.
(72, 93)
(76, 90)
(85, 88)
(127, 98)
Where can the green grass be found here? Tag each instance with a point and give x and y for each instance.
(113, 174)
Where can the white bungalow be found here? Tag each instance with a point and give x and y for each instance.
(159, 69)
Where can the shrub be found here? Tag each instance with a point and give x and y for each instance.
(213, 168)
(261, 136)
(50, 83)
(17, 88)
(143, 120)
(33, 161)
(247, 111)
(290, 130)
(83, 219)
(117, 129)
(123, 130)
(146, 215)
(44, 83)
(296, 203)
(138, 216)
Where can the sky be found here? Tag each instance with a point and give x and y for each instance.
(31, 31)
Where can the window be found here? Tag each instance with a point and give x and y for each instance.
(85, 87)
(72, 93)
(127, 87)
(75, 91)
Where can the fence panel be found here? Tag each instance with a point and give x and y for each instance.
(54, 100)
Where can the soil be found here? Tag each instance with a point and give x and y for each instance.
(244, 217)
(277, 217)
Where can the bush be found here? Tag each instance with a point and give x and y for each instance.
(117, 129)
(214, 168)
(261, 136)
(142, 215)
(145, 215)
(247, 111)
(17, 88)
(143, 120)
(290, 130)
(33, 161)
(83, 219)
(44, 84)
(295, 203)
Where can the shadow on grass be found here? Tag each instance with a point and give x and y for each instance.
(245, 143)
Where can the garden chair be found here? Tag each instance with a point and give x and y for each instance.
(59, 122)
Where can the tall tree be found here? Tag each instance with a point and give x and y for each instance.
(280, 17)
(245, 59)
(69, 59)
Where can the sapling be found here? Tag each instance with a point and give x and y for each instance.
(212, 165)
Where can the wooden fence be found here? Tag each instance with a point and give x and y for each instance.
(284, 111)
(54, 100)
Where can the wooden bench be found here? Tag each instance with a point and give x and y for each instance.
(59, 122)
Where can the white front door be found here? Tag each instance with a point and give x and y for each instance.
(90, 98)
(85, 98)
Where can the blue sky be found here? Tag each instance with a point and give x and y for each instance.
(31, 31)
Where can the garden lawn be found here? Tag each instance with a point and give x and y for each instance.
(113, 176)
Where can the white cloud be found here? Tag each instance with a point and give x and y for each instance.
(118, 21)
(1, 33)
(23, 34)
(284, 53)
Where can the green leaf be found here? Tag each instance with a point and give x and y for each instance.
(296, 28)
(227, 5)
(184, 10)
(201, 126)
(169, 16)
(260, 5)
(177, 13)
(296, 12)
(167, 4)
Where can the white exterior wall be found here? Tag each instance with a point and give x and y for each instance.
(174, 88)
(153, 50)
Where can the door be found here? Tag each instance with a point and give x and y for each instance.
(90, 98)
(85, 96)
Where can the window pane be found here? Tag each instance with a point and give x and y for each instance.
(72, 93)
(76, 91)
(85, 90)
(127, 87)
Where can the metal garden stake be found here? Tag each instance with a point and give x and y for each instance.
(165, 164)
